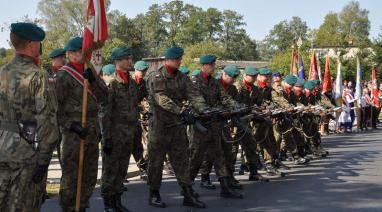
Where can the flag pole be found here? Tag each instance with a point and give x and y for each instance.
(291, 61)
(82, 145)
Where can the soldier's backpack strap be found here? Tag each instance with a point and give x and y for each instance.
(78, 77)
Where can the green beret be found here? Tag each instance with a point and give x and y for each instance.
(265, 71)
(141, 65)
(195, 72)
(310, 84)
(299, 83)
(74, 44)
(206, 59)
(121, 53)
(174, 52)
(232, 71)
(108, 69)
(56, 53)
(251, 71)
(184, 70)
(290, 79)
(28, 31)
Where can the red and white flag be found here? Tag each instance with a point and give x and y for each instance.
(375, 92)
(95, 33)
(313, 71)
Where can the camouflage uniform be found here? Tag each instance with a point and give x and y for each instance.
(298, 134)
(138, 148)
(25, 96)
(69, 95)
(209, 143)
(283, 128)
(264, 129)
(120, 125)
(249, 96)
(230, 150)
(166, 94)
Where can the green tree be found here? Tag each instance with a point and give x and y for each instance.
(329, 33)
(124, 29)
(355, 24)
(193, 52)
(282, 36)
(213, 22)
(154, 30)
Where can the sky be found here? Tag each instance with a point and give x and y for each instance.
(259, 15)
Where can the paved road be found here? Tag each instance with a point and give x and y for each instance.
(349, 180)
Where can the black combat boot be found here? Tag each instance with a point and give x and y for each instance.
(254, 175)
(272, 170)
(300, 160)
(206, 182)
(155, 199)
(190, 199)
(280, 165)
(235, 184)
(118, 204)
(109, 204)
(227, 191)
(194, 193)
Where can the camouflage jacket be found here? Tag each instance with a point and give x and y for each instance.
(301, 99)
(232, 91)
(278, 97)
(247, 96)
(69, 95)
(265, 95)
(26, 96)
(324, 101)
(213, 92)
(122, 104)
(142, 94)
(167, 94)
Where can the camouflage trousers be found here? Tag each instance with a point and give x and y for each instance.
(172, 141)
(310, 127)
(70, 146)
(283, 131)
(230, 150)
(266, 140)
(207, 144)
(138, 148)
(115, 165)
(18, 193)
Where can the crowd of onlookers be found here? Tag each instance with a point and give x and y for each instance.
(361, 111)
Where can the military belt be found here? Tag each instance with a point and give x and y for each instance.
(10, 126)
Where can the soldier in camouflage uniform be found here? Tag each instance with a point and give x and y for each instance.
(121, 119)
(28, 114)
(323, 100)
(283, 128)
(210, 143)
(69, 86)
(168, 89)
(249, 95)
(57, 57)
(291, 97)
(230, 147)
(264, 128)
(141, 68)
(108, 73)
